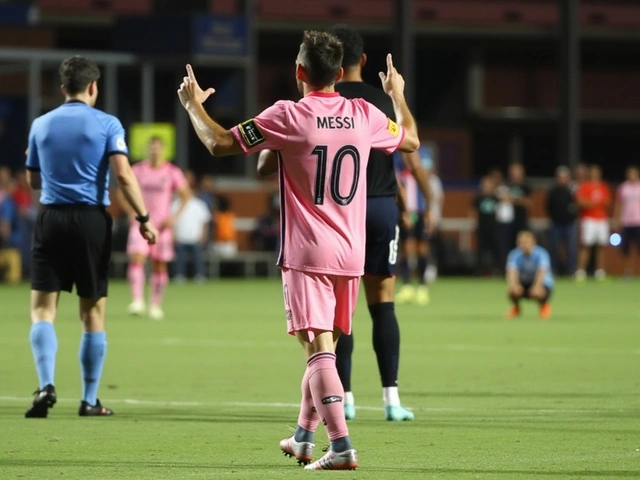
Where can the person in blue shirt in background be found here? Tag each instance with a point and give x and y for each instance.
(11, 239)
(529, 275)
(71, 150)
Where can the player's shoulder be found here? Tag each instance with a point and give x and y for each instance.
(106, 118)
(141, 165)
(176, 170)
(540, 251)
(516, 252)
(282, 105)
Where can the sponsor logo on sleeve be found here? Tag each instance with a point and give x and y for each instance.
(121, 144)
(393, 128)
(251, 134)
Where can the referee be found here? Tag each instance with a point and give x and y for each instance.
(70, 151)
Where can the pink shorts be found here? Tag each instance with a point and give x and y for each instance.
(162, 251)
(319, 302)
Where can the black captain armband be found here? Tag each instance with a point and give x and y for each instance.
(143, 218)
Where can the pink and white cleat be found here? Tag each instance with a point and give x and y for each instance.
(347, 460)
(302, 451)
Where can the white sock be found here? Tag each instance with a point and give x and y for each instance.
(391, 397)
(348, 398)
(600, 273)
(580, 273)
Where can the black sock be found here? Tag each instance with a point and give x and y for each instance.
(344, 350)
(386, 341)
(423, 263)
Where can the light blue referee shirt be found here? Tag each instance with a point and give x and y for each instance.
(528, 265)
(70, 147)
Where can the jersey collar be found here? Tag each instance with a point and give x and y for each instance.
(323, 94)
(74, 100)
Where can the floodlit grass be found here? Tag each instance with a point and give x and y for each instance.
(209, 391)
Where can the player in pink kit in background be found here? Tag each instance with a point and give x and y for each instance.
(322, 144)
(159, 181)
(626, 217)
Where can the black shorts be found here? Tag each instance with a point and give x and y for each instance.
(417, 230)
(381, 251)
(527, 291)
(72, 246)
(630, 235)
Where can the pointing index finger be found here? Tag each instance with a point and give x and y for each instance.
(190, 72)
(389, 63)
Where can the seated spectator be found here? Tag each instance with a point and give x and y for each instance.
(10, 240)
(266, 237)
(226, 237)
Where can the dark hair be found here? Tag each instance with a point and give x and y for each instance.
(321, 57)
(352, 44)
(76, 73)
(156, 138)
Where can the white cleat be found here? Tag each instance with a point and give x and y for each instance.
(137, 308)
(155, 312)
(347, 460)
(302, 451)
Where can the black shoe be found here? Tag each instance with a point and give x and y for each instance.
(96, 410)
(45, 399)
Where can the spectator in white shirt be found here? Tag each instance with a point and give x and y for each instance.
(191, 232)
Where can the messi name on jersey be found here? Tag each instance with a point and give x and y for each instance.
(333, 123)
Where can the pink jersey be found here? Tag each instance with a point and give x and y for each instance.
(323, 142)
(629, 198)
(158, 186)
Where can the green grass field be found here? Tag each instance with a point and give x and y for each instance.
(210, 391)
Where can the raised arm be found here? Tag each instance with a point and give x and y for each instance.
(393, 85)
(218, 140)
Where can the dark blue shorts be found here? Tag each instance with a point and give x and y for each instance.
(417, 229)
(630, 236)
(527, 291)
(381, 252)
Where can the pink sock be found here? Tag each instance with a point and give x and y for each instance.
(308, 418)
(328, 393)
(135, 274)
(159, 282)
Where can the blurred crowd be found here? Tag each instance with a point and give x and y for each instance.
(207, 226)
(18, 211)
(582, 213)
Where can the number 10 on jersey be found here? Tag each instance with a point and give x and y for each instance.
(321, 152)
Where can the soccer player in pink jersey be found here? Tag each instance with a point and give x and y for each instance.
(322, 144)
(159, 180)
(627, 216)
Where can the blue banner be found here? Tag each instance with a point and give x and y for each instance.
(220, 36)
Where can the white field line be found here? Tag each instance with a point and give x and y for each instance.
(182, 342)
(281, 405)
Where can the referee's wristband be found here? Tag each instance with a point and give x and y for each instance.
(143, 218)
